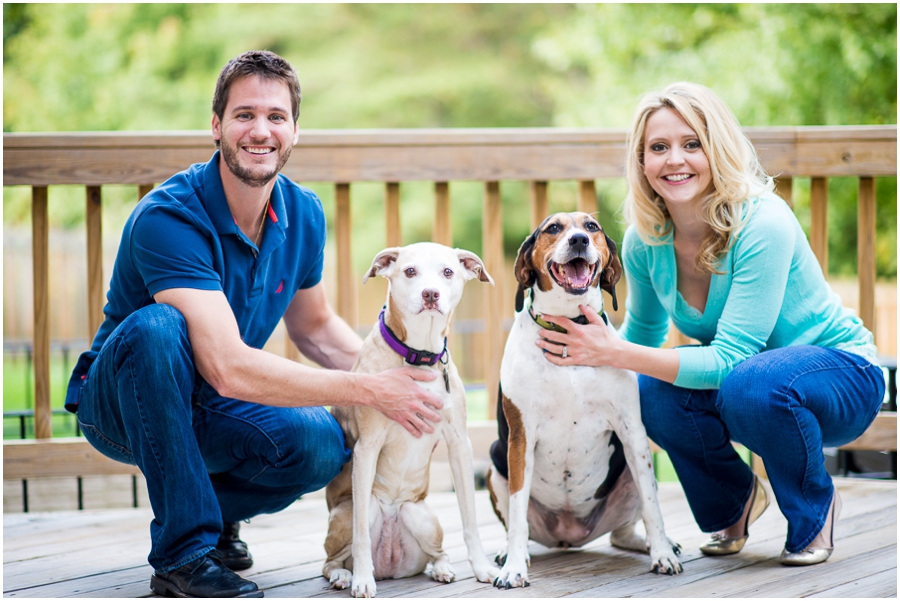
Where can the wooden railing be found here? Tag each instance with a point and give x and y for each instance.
(491, 156)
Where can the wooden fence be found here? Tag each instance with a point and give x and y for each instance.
(392, 157)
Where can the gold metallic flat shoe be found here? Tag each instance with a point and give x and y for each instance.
(720, 544)
(810, 556)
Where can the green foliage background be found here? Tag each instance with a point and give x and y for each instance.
(71, 67)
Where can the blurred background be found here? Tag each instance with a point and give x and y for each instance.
(152, 67)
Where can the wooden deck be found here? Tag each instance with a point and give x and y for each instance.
(103, 554)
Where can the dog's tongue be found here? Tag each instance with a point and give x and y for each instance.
(577, 274)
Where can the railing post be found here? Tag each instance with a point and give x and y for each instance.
(818, 227)
(784, 187)
(393, 236)
(865, 245)
(587, 196)
(346, 291)
(94, 260)
(492, 243)
(40, 250)
(442, 230)
(540, 204)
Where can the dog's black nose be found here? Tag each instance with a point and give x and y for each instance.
(579, 241)
(430, 295)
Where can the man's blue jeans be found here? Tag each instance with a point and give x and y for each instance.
(205, 458)
(784, 405)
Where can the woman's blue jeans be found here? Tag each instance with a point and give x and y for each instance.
(205, 458)
(784, 405)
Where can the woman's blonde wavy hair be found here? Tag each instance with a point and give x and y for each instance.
(734, 167)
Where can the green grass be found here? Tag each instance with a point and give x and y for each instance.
(18, 394)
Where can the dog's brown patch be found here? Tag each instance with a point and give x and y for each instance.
(393, 322)
(493, 496)
(516, 454)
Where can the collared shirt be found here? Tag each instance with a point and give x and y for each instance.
(182, 235)
(771, 294)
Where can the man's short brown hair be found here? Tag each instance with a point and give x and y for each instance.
(263, 64)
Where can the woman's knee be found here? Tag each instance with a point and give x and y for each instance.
(753, 395)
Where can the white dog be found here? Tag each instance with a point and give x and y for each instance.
(380, 527)
(568, 433)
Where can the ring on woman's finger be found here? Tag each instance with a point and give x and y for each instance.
(565, 352)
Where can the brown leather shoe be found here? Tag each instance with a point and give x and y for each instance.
(204, 577)
(231, 549)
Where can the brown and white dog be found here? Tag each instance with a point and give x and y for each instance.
(379, 525)
(568, 433)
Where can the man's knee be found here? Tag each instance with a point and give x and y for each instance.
(317, 451)
(159, 329)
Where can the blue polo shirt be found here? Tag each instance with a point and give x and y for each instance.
(182, 235)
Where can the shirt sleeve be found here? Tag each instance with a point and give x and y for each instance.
(761, 261)
(646, 321)
(170, 250)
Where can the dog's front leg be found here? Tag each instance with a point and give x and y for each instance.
(365, 460)
(663, 553)
(520, 456)
(459, 449)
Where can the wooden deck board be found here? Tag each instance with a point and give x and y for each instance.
(102, 554)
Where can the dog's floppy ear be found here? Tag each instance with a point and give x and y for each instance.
(474, 266)
(382, 263)
(525, 269)
(611, 273)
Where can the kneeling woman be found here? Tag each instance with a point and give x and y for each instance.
(783, 368)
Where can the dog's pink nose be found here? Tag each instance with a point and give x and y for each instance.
(430, 295)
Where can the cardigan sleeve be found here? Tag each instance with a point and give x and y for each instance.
(646, 321)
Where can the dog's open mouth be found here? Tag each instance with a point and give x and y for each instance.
(574, 277)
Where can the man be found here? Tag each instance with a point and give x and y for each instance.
(175, 381)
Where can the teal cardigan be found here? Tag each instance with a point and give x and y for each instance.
(771, 294)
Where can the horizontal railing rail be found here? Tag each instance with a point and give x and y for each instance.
(537, 156)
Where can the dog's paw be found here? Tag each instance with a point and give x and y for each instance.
(442, 571)
(512, 577)
(667, 565)
(340, 578)
(484, 571)
(363, 586)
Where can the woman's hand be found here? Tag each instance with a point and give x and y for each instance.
(593, 344)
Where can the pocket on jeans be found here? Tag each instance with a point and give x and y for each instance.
(105, 446)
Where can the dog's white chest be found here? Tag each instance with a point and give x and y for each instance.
(569, 412)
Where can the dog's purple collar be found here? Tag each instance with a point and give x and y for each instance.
(412, 356)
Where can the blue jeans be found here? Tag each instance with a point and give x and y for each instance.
(205, 458)
(784, 405)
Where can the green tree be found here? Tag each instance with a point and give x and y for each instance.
(86, 67)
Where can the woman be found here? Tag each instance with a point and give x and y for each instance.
(782, 367)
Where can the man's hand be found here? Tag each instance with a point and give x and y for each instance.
(401, 399)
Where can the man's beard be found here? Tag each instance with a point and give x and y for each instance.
(246, 176)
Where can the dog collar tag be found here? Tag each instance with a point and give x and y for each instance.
(446, 379)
